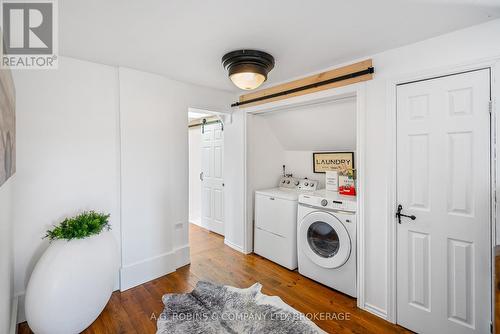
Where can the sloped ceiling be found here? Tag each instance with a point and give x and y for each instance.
(324, 127)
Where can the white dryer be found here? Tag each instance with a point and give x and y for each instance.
(275, 230)
(326, 239)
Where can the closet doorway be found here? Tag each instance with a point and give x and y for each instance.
(206, 172)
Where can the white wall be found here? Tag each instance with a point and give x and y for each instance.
(301, 164)
(155, 171)
(471, 44)
(67, 153)
(72, 155)
(464, 46)
(194, 175)
(265, 158)
(6, 257)
(235, 182)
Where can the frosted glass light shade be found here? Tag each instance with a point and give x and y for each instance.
(247, 80)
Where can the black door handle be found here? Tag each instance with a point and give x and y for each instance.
(399, 214)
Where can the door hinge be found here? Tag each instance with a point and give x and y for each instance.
(490, 106)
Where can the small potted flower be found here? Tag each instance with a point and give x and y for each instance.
(74, 278)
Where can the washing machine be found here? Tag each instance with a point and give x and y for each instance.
(275, 229)
(326, 239)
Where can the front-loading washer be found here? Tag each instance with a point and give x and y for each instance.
(326, 239)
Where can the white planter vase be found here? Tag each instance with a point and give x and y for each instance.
(71, 284)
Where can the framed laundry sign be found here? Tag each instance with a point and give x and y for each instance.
(325, 161)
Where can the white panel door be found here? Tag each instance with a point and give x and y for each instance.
(212, 178)
(443, 178)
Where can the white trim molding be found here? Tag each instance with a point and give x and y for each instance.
(375, 310)
(13, 315)
(360, 183)
(149, 269)
(248, 230)
(20, 315)
(495, 172)
(182, 256)
(196, 221)
(391, 200)
(236, 247)
(391, 135)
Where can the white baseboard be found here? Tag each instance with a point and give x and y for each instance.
(196, 222)
(376, 310)
(182, 256)
(13, 315)
(21, 317)
(235, 247)
(146, 270)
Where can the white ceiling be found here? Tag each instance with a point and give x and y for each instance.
(185, 39)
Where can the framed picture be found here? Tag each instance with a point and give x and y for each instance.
(325, 161)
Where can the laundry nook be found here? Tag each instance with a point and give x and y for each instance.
(243, 167)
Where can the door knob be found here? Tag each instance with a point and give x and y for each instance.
(201, 176)
(399, 214)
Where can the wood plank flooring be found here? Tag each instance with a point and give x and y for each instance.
(134, 310)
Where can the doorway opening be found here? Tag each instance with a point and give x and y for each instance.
(310, 128)
(206, 170)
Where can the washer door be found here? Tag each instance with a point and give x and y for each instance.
(324, 239)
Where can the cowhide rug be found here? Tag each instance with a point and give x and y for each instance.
(212, 308)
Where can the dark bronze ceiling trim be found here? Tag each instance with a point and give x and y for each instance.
(254, 59)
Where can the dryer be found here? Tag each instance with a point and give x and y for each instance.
(326, 239)
(275, 230)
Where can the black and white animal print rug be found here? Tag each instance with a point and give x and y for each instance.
(212, 308)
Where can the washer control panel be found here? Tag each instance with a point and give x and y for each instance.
(296, 183)
(333, 202)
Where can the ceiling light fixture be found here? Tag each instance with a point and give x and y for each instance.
(248, 69)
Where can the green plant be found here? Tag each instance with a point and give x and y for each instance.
(81, 226)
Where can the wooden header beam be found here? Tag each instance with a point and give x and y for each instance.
(338, 77)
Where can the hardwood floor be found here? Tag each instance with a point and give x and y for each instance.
(134, 310)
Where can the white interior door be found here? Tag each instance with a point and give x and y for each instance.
(443, 178)
(212, 178)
